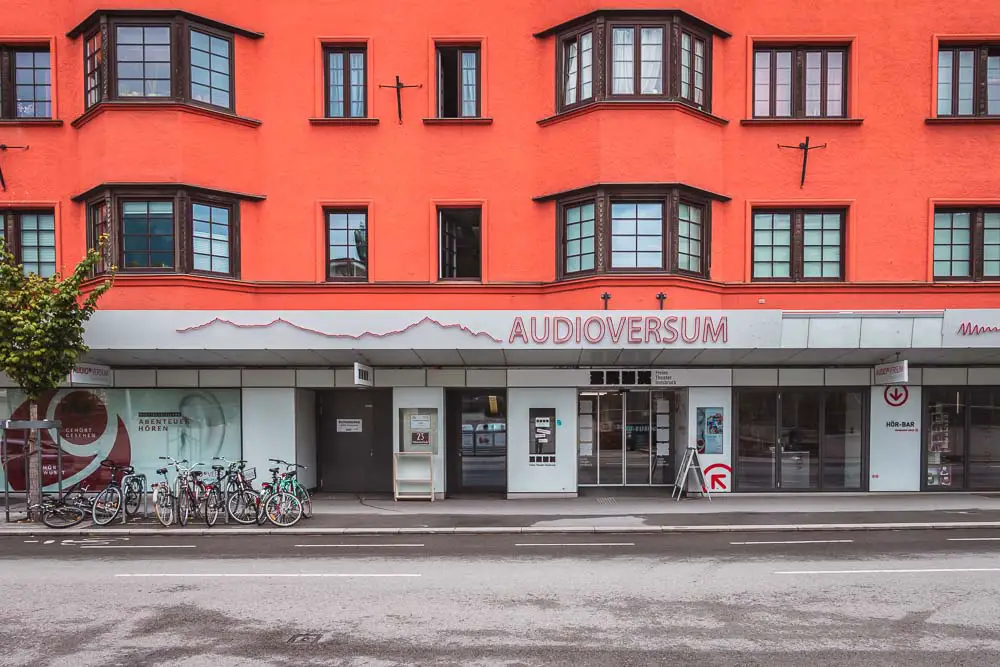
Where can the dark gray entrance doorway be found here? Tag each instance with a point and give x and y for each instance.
(354, 440)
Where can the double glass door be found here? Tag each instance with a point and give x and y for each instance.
(962, 441)
(802, 439)
(625, 438)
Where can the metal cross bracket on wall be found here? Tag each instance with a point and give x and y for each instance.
(399, 85)
(805, 148)
(3, 149)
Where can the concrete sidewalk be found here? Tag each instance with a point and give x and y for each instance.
(608, 514)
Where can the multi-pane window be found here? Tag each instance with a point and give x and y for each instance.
(211, 69)
(690, 241)
(346, 82)
(148, 234)
(159, 56)
(25, 83)
(969, 81)
(30, 236)
(458, 74)
(347, 244)
(641, 229)
(460, 243)
(211, 238)
(99, 222)
(798, 245)
(636, 235)
(578, 238)
(142, 60)
(967, 244)
(578, 68)
(648, 51)
(800, 82)
(693, 68)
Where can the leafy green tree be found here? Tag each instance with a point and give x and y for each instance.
(42, 324)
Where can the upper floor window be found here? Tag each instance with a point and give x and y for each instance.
(30, 236)
(800, 82)
(346, 81)
(159, 55)
(347, 244)
(458, 79)
(801, 244)
(967, 244)
(637, 55)
(969, 80)
(646, 229)
(460, 243)
(165, 229)
(25, 83)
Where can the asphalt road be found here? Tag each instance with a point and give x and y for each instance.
(786, 599)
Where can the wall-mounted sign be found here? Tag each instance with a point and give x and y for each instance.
(896, 372)
(418, 430)
(364, 376)
(349, 426)
(711, 427)
(620, 330)
(542, 430)
(94, 375)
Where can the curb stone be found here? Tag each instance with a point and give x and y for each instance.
(496, 530)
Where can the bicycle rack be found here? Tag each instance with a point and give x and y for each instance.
(142, 493)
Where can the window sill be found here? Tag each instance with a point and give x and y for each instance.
(458, 121)
(184, 107)
(802, 121)
(343, 121)
(963, 120)
(672, 105)
(30, 122)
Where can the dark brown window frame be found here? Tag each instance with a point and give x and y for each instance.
(330, 277)
(440, 234)
(602, 24)
(798, 80)
(797, 247)
(976, 243)
(8, 84)
(562, 42)
(980, 81)
(344, 48)
(671, 196)
(183, 199)
(461, 47)
(10, 225)
(181, 23)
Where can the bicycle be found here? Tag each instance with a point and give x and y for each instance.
(68, 510)
(290, 483)
(189, 490)
(279, 507)
(240, 500)
(164, 502)
(114, 498)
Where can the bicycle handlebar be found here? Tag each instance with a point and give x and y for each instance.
(286, 463)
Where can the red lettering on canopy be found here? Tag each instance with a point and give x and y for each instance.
(616, 334)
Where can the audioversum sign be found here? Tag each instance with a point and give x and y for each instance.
(620, 330)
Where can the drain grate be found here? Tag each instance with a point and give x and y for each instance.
(304, 639)
(607, 501)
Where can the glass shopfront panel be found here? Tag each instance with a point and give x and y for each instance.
(962, 441)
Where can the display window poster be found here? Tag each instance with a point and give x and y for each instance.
(129, 426)
(710, 430)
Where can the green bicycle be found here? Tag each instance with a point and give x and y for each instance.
(290, 483)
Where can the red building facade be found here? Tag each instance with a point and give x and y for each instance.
(461, 195)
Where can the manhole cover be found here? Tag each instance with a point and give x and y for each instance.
(304, 639)
(607, 501)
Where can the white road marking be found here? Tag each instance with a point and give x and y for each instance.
(797, 542)
(974, 539)
(139, 546)
(357, 546)
(261, 575)
(897, 571)
(31, 541)
(48, 541)
(575, 544)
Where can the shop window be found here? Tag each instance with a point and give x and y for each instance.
(346, 81)
(800, 82)
(460, 243)
(796, 245)
(968, 81)
(961, 432)
(30, 237)
(165, 229)
(347, 244)
(967, 244)
(25, 83)
(459, 81)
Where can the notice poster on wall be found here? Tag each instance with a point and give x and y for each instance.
(418, 430)
(129, 426)
(710, 428)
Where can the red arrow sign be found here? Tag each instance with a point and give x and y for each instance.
(896, 396)
(717, 480)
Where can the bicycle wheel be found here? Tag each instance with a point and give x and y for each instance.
(183, 507)
(243, 506)
(283, 509)
(213, 507)
(133, 496)
(261, 515)
(307, 504)
(107, 505)
(163, 506)
(62, 516)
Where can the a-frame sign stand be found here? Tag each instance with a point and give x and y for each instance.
(690, 464)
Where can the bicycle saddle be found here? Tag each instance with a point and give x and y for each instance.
(197, 473)
(272, 470)
(218, 468)
(161, 471)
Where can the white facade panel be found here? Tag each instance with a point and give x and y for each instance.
(755, 377)
(344, 377)
(523, 477)
(445, 377)
(268, 377)
(399, 377)
(983, 376)
(220, 377)
(945, 376)
(548, 377)
(486, 377)
(895, 439)
(886, 332)
(177, 377)
(422, 397)
(848, 377)
(834, 332)
(800, 377)
(704, 402)
(316, 378)
(135, 377)
(268, 427)
(305, 437)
